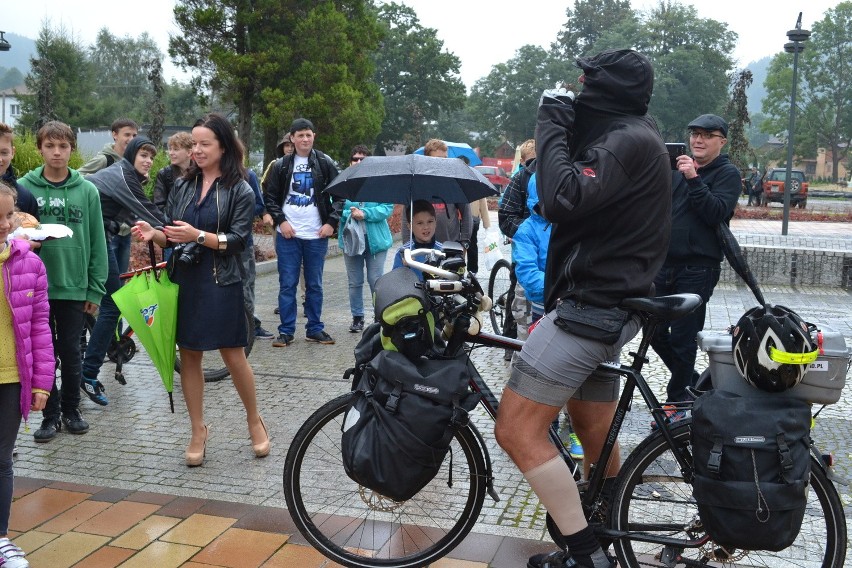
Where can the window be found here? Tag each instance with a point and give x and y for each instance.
(15, 110)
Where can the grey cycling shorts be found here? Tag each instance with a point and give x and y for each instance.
(555, 366)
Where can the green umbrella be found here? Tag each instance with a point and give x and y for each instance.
(149, 304)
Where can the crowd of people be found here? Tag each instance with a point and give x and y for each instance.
(596, 158)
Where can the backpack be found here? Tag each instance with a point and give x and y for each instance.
(752, 468)
(402, 307)
(398, 429)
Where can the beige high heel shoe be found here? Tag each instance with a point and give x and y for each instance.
(261, 450)
(195, 459)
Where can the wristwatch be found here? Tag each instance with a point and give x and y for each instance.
(200, 238)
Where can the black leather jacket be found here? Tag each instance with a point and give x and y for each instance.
(235, 215)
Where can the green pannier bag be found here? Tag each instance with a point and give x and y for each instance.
(402, 308)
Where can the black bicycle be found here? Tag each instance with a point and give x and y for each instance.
(501, 290)
(650, 517)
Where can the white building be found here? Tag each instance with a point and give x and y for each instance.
(10, 104)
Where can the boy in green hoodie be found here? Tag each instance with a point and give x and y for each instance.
(76, 267)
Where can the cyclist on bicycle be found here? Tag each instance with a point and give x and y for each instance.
(604, 181)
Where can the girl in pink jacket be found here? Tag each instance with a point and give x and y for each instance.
(26, 355)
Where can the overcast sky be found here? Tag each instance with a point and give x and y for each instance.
(480, 32)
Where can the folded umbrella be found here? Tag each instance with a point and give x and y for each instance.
(149, 304)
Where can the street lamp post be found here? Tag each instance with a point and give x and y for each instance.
(797, 37)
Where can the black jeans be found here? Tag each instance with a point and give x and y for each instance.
(677, 342)
(67, 320)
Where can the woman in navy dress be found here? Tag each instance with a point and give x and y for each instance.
(209, 219)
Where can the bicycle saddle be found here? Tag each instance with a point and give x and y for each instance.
(664, 307)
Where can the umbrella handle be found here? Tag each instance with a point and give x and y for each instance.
(153, 255)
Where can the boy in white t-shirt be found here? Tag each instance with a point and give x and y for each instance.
(305, 216)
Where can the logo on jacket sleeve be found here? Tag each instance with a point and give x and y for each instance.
(589, 172)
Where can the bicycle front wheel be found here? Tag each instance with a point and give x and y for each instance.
(359, 528)
(654, 500)
(499, 284)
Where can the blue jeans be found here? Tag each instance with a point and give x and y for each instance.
(375, 264)
(107, 321)
(676, 342)
(121, 246)
(292, 255)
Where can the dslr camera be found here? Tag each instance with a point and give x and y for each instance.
(188, 253)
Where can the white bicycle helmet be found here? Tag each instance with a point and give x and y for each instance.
(772, 348)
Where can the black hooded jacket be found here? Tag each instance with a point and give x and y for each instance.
(604, 181)
(123, 199)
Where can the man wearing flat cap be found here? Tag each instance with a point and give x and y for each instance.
(305, 216)
(705, 190)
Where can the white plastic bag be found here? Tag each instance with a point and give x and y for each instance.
(489, 252)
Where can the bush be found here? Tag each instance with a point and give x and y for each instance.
(28, 158)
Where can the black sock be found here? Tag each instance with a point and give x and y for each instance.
(585, 549)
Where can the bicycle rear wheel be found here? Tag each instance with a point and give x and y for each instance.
(499, 285)
(214, 365)
(653, 498)
(359, 528)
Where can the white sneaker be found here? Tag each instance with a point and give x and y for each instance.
(11, 556)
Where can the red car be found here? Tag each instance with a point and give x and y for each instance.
(496, 175)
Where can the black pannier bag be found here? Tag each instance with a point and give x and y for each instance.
(398, 430)
(752, 468)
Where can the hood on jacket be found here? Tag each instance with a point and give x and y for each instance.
(616, 81)
(133, 147)
(532, 196)
(35, 178)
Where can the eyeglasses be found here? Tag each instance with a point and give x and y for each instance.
(704, 135)
(356, 158)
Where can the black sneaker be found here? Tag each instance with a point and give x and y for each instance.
(94, 389)
(558, 559)
(282, 340)
(49, 428)
(74, 422)
(260, 333)
(320, 337)
(357, 324)
(276, 311)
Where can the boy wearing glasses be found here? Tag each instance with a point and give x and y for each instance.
(705, 190)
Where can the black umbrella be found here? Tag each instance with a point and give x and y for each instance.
(735, 257)
(403, 179)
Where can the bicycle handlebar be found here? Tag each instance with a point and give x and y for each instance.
(408, 260)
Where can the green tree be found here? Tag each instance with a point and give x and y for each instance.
(503, 103)
(692, 62)
(61, 78)
(10, 78)
(588, 22)
(824, 99)
(282, 59)
(121, 85)
(417, 77)
(738, 147)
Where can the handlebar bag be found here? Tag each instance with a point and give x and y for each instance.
(402, 307)
(752, 468)
(398, 429)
